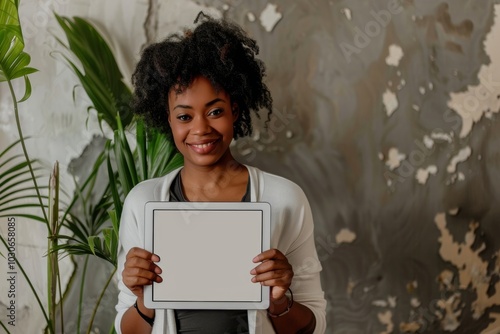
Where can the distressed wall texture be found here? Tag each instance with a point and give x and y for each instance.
(385, 114)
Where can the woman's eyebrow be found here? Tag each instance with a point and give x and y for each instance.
(208, 104)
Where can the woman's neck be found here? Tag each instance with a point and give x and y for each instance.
(224, 182)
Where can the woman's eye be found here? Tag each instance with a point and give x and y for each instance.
(215, 112)
(183, 118)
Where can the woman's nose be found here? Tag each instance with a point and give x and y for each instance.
(201, 126)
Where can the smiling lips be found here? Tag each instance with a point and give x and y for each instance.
(203, 148)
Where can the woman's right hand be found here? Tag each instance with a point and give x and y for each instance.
(139, 270)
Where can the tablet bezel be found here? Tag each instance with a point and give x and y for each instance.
(185, 207)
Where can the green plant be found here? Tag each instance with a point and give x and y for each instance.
(95, 232)
(91, 230)
(13, 65)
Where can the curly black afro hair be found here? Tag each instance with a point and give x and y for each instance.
(217, 50)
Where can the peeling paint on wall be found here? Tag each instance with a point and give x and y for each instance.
(461, 156)
(483, 99)
(345, 236)
(390, 101)
(270, 17)
(394, 158)
(474, 272)
(395, 55)
(423, 173)
(385, 318)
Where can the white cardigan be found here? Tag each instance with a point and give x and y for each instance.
(291, 233)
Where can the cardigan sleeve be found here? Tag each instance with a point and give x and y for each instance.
(293, 234)
(129, 236)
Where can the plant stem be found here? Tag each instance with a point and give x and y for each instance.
(80, 301)
(25, 151)
(6, 330)
(99, 300)
(52, 254)
(61, 296)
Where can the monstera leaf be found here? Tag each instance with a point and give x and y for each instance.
(13, 60)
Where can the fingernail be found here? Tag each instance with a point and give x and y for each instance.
(253, 272)
(256, 259)
(254, 279)
(158, 270)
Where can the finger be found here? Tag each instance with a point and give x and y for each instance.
(271, 265)
(136, 262)
(132, 274)
(143, 254)
(272, 278)
(134, 282)
(269, 254)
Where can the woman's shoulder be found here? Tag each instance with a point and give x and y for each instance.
(275, 185)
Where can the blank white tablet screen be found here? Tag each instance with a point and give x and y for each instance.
(206, 255)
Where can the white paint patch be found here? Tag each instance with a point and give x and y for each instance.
(270, 17)
(428, 142)
(347, 12)
(392, 300)
(386, 319)
(390, 101)
(225, 6)
(422, 175)
(481, 100)
(379, 303)
(414, 302)
(380, 156)
(345, 236)
(422, 90)
(415, 107)
(462, 156)
(394, 158)
(453, 212)
(443, 136)
(395, 55)
(251, 17)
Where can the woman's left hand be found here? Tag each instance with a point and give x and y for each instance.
(274, 271)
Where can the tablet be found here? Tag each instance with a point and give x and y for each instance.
(206, 251)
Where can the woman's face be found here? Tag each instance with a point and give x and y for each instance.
(201, 120)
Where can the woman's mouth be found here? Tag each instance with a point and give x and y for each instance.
(203, 148)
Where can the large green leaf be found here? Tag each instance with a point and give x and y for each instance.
(99, 74)
(13, 60)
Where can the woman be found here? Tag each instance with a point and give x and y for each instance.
(200, 88)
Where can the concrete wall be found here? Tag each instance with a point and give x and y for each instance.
(385, 113)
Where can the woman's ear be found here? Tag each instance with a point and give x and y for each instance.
(236, 113)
